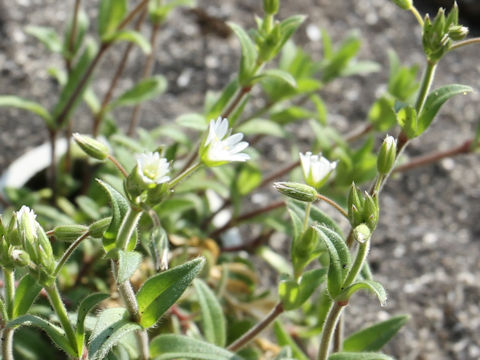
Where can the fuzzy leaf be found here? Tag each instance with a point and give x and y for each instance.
(162, 290)
(249, 54)
(169, 347)
(128, 262)
(359, 356)
(370, 285)
(434, 102)
(339, 259)
(54, 332)
(262, 127)
(47, 36)
(374, 337)
(25, 294)
(110, 15)
(219, 106)
(133, 37)
(213, 319)
(84, 308)
(276, 74)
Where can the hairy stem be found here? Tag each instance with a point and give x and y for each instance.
(117, 165)
(69, 252)
(426, 84)
(257, 329)
(7, 336)
(183, 175)
(333, 204)
(465, 43)
(127, 228)
(328, 331)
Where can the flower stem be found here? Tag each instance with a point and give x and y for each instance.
(257, 329)
(69, 252)
(417, 15)
(117, 165)
(465, 43)
(61, 311)
(427, 81)
(7, 336)
(328, 330)
(334, 204)
(182, 176)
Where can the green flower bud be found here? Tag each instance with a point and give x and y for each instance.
(371, 211)
(362, 233)
(404, 4)
(92, 147)
(457, 32)
(19, 257)
(69, 233)
(271, 6)
(296, 191)
(97, 229)
(355, 203)
(387, 154)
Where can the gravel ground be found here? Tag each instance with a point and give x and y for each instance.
(426, 250)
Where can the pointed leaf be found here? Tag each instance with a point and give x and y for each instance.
(359, 356)
(276, 74)
(20, 103)
(370, 285)
(112, 326)
(47, 36)
(128, 262)
(193, 121)
(339, 259)
(133, 37)
(262, 127)
(249, 54)
(144, 90)
(284, 339)
(169, 347)
(213, 319)
(288, 28)
(162, 290)
(81, 28)
(434, 102)
(25, 294)
(110, 15)
(86, 305)
(374, 337)
(54, 332)
(220, 105)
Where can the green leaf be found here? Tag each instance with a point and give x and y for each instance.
(20, 103)
(291, 114)
(359, 356)
(84, 308)
(47, 36)
(382, 115)
(262, 127)
(370, 285)
(133, 37)
(249, 54)
(120, 207)
(110, 15)
(80, 30)
(374, 337)
(408, 120)
(162, 290)
(144, 90)
(112, 326)
(213, 319)
(274, 259)
(276, 74)
(54, 332)
(169, 347)
(249, 178)
(25, 294)
(193, 121)
(128, 262)
(316, 215)
(339, 259)
(434, 102)
(309, 282)
(288, 28)
(221, 103)
(340, 59)
(284, 339)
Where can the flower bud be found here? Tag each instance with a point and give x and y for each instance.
(19, 257)
(387, 155)
(404, 4)
(69, 233)
(92, 147)
(355, 203)
(97, 228)
(457, 32)
(296, 191)
(271, 6)
(371, 211)
(362, 233)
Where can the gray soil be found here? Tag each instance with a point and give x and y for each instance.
(426, 250)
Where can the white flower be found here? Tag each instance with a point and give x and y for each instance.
(152, 169)
(316, 169)
(27, 223)
(220, 147)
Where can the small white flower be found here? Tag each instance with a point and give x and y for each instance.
(152, 169)
(220, 147)
(316, 169)
(27, 223)
(389, 141)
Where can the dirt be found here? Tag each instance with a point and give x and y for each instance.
(426, 250)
